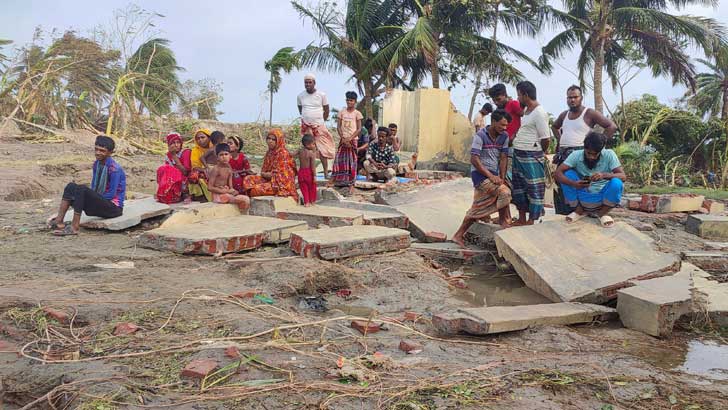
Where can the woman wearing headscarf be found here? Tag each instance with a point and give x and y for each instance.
(172, 175)
(197, 178)
(277, 176)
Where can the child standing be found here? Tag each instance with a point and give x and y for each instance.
(349, 127)
(221, 180)
(238, 162)
(307, 169)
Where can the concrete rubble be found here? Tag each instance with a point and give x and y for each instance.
(713, 261)
(499, 319)
(591, 266)
(380, 215)
(219, 236)
(347, 241)
(451, 250)
(708, 226)
(135, 211)
(710, 298)
(662, 204)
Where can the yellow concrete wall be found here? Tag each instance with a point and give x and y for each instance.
(398, 107)
(461, 136)
(433, 119)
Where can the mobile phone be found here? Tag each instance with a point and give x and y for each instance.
(586, 178)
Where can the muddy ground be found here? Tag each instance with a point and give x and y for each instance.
(292, 356)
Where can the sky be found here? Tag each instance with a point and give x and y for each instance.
(229, 41)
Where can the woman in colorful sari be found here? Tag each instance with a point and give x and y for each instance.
(277, 176)
(172, 176)
(197, 180)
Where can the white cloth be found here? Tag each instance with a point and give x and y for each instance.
(573, 132)
(312, 106)
(534, 128)
(479, 121)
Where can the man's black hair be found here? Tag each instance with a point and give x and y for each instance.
(368, 123)
(595, 141)
(221, 147)
(487, 107)
(575, 88)
(527, 87)
(496, 90)
(351, 95)
(383, 129)
(105, 142)
(216, 137)
(499, 114)
(307, 139)
(392, 125)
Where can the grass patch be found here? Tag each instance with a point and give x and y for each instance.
(160, 369)
(33, 319)
(97, 404)
(659, 190)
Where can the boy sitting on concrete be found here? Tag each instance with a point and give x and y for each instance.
(104, 199)
(220, 180)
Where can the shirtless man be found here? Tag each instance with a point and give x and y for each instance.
(220, 180)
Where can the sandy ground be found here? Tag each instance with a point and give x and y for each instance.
(293, 357)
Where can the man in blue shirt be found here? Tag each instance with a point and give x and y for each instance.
(489, 161)
(592, 180)
(104, 199)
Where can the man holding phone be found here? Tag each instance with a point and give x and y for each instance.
(592, 180)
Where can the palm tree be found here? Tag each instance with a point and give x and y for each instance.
(3, 58)
(599, 29)
(711, 96)
(351, 39)
(440, 30)
(284, 59)
(156, 59)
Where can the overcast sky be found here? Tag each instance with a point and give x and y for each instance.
(229, 40)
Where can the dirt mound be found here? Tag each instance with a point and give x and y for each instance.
(304, 277)
(30, 190)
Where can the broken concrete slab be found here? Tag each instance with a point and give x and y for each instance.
(713, 261)
(499, 319)
(710, 297)
(321, 215)
(708, 226)
(713, 206)
(268, 205)
(368, 185)
(653, 306)
(719, 246)
(663, 204)
(380, 215)
(425, 206)
(450, 250)
(135, 211)
(347, 241)
(581, 262)
(198, 212)
(432, 174)
(218, 236)
(482, 234)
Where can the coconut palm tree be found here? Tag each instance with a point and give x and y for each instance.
(711, 96)
(3, 58)
(284, 59)
(598, 29)
(351, 40)
(154, 58)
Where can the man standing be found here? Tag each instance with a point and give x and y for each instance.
(592, 180)
(532, 140)
(314, 109)
(488, 159)
(570, 129)
(501, 99)
(479, 121)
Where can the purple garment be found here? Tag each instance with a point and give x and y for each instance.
(116, 182)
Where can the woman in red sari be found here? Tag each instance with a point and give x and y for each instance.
(172, 175)
(238, 162)
(277, 176)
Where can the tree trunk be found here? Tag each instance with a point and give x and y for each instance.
(598, 72)
(435, 68)
(149, 65)
(476, 91)
(724, 109)
(270, 115)
(369, 99)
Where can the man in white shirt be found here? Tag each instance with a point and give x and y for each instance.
(479, 121)
(314, 109)
(531, 142)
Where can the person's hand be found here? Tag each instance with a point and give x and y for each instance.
(496, 179)
(598, 176)
(233, 192)
(581, 184)
(266, 175)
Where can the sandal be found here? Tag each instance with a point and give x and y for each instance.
(53, 225)
(606, 221)
(66, 231)
(573, 217)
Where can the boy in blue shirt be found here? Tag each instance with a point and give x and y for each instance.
(592, 180)
(489, 161)
(104, 199)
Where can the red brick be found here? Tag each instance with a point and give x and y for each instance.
(633, 205)
(365, 327)
(433, 236)
(411, 316)
(246, 294)
(410, 346)
(199, 369)
(124, 329)
(232, 352)
(58, 315)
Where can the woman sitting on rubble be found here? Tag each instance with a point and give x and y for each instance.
(277, 176)
(172, 175)
(197, 178)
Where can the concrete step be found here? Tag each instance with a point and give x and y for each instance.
(499, 319)
(708, 226)
(219, 236)
(380, 215)
(348, 241)
(581, 262)
(135, 211)
(321, 215)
